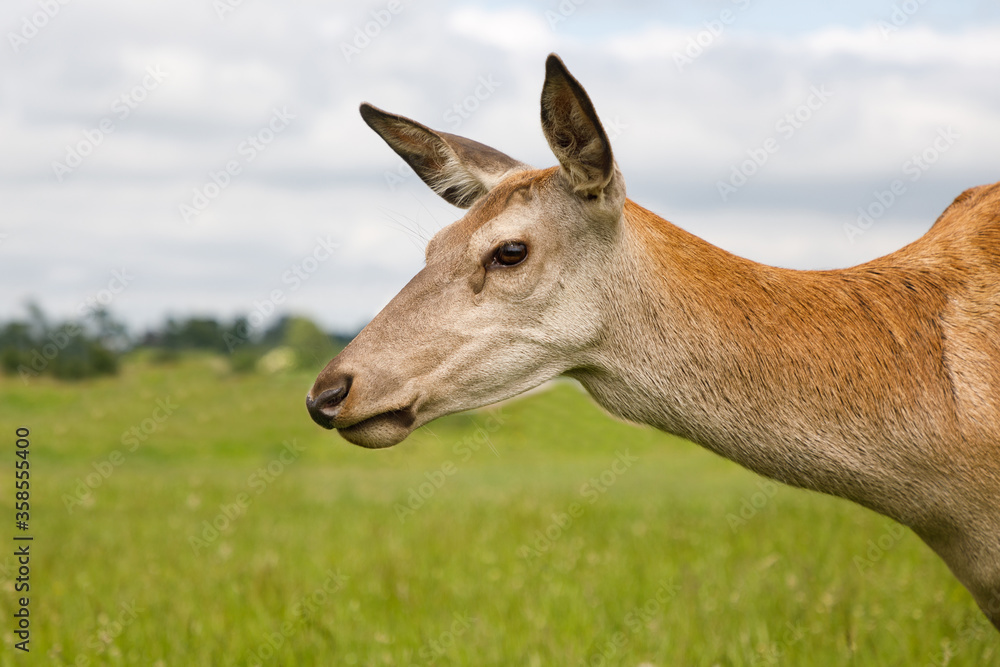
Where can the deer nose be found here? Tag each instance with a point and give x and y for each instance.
(324, 408)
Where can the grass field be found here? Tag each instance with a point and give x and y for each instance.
(183, 515)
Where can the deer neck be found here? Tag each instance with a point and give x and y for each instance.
(771, 368)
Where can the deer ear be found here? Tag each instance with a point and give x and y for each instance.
(574, 131)
(458, 169)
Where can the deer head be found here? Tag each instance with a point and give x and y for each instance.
(511, 294)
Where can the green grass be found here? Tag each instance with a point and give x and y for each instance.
(508, 557)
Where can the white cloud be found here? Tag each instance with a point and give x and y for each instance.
(515, 29)
(678, 133)
(917, 45)
(651, 42)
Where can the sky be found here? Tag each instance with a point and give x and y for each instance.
(207, 158)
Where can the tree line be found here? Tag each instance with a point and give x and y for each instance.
(36, 345)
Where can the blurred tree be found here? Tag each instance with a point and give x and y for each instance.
(313, 347)
(197, 333)
(112, 333)
(71, 350)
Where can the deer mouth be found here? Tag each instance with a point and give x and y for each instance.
(382, 430)
(335, 407)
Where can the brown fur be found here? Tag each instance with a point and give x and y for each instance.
(879, 383)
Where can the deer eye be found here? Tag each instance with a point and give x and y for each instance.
(510, 253)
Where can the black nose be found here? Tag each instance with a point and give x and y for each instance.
(324, 408)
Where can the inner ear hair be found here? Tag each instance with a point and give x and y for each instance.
(458, 169)
(574, 131)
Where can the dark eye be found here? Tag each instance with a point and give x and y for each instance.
(510, 253)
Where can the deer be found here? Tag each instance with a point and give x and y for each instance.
(878, 383)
